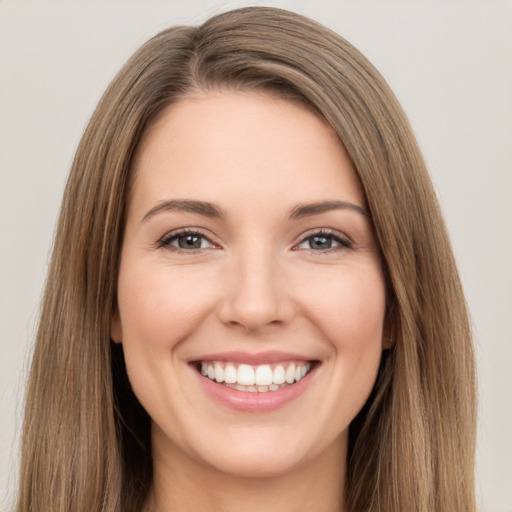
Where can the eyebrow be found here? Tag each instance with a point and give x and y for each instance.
(307, 210)
(185, 205)
(210, 210)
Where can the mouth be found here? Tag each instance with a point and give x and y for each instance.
(261, 378)
(255, 382)
(254, 379)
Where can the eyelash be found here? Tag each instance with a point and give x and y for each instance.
(336, 236)
(166, 241)
(344, 242)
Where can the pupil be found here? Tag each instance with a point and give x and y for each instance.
(321, 242)
(189, 242)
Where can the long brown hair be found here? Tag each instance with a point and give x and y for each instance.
(86, 439)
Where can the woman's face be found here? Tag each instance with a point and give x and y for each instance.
(248, 261)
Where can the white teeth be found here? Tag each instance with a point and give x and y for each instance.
(260, 378)
(229, 374)
(264, 375)
(279, 376)
(219, 372)
(245, 375)
(290, 374)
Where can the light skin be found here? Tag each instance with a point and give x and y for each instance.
(248, 231)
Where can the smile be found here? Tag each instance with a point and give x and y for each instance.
(259, 378)
(255, 383)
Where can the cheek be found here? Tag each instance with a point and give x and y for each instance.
(348, 306)
(349, 310)
(159, 307)
(350, 314)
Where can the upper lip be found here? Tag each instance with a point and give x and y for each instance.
(267, 357)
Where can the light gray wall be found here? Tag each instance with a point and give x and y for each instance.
(450, 63)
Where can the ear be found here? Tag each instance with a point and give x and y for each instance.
(116, 330)
(387, 333)
(387, 341)
(388, 330)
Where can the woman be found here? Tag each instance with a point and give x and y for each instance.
(252, 291)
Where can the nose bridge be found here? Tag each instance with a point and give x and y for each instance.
(255, 297)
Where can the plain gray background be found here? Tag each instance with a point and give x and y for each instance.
(450, 64)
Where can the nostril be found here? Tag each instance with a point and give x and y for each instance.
(255, 301)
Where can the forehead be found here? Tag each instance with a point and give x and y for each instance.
(247, 146)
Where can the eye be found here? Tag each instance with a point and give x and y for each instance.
(324, 240)
(186, 241)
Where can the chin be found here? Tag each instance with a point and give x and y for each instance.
(255, 463)
(262, 452)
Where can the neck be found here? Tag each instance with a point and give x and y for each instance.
(182, 484)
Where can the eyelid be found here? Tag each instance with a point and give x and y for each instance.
(344, 241)
(165, 241)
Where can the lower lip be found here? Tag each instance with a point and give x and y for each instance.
(247, 401)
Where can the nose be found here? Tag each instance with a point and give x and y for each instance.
(255, 297)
